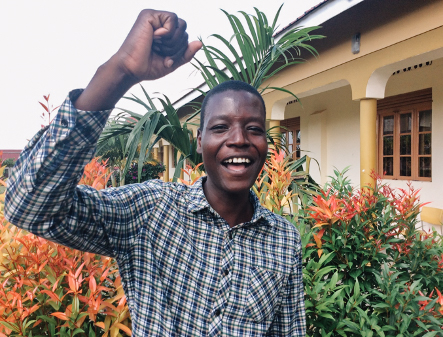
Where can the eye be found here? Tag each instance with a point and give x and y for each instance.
(256, 130)
(218, 128)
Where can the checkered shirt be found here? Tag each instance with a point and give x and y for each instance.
(185, 272)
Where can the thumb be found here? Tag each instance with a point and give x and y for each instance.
(193, 48)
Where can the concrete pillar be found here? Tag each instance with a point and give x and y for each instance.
(166, 162)
(155, 154)
(182, 175)
(273, 123)
(368, 141)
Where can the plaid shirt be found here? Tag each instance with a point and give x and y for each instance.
(185, 272)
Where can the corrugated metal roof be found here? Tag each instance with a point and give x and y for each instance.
(309, 11)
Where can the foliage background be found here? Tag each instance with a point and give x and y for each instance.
(47, 289)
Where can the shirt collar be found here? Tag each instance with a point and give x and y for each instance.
(197, 201)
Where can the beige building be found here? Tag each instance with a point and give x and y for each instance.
(373, 98)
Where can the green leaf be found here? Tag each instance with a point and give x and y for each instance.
(356, 289)
(326, 315)
(381, 305)
(91, 332)
(10, 326)
(147, 135)
(48, 319)
(354, 327)
(76, 331)
(430, 334)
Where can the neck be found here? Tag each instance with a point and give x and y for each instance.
(235, 208)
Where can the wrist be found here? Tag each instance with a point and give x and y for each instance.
(107, 87)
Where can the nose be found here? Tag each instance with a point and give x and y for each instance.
(238, 137)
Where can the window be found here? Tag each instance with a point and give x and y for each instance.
(291, 135)
(405, 136)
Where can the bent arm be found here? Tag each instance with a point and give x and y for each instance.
(43, 196)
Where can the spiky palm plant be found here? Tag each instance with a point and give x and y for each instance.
(260, 57)
(262, 54)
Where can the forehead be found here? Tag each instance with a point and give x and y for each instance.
(234, 102)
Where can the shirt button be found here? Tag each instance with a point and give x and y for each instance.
(226, 272)
(230, 235)
(217, 312)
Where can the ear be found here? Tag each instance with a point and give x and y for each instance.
(199, 141)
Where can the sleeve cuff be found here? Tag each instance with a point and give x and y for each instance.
(82, 126)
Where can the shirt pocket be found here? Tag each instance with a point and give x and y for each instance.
(263, 296)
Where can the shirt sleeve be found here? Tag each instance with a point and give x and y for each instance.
(291, 320)
(43, 197)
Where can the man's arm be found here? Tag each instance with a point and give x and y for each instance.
(291, 320)
(42, 196)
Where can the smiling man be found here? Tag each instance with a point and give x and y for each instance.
(204, 260)
(232, 140)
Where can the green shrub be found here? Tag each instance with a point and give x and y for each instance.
(367, 270)
(150, 170)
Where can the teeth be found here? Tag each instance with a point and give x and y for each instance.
(237, 160)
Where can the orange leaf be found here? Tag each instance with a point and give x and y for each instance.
(60, 315)
(92, 283)
(52, 295)
(124, 328)
(100, 325)
(72, 283)
(36, 323)
(44, 106)
(320, 251)
(79, 270)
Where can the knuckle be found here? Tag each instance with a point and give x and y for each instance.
(146, 12)
(182, 24)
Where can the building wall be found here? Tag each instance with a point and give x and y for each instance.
(6, 154)
(330, 129)
(329, 124)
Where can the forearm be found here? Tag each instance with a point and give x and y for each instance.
(106, 88)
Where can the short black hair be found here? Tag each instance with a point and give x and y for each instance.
(225, 86)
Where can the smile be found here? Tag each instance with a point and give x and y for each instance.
(237, 161)
(237, 164)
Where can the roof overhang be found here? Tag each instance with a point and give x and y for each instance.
(320, 13)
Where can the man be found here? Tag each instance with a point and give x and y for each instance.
(205, 260)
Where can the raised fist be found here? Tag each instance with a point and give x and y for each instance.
(156, 45)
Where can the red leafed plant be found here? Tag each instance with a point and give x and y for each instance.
(366, 266)
(193, 174)
(96, 174)
(49, 109)
(47, 289)
(273, 184)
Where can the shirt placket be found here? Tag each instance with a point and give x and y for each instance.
(227, 258)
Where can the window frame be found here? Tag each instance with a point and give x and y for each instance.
(397, 106)
(292, 125)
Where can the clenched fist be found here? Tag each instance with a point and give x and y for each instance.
(156, 45)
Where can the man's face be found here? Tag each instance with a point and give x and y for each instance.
(233, 142)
